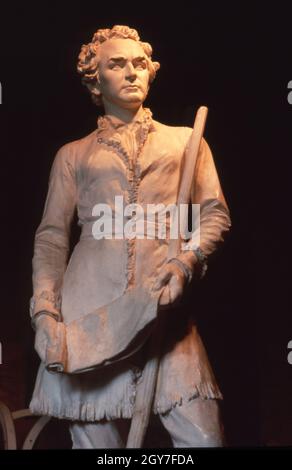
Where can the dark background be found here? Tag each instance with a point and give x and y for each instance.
(236, 59)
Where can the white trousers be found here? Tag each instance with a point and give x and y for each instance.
(193, 424)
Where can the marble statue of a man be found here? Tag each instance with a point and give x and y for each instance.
(132, 156)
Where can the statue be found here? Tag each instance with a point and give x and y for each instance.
(92, 343)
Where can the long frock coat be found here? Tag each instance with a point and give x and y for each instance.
(142, 163)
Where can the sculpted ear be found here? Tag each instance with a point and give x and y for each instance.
(94, 89)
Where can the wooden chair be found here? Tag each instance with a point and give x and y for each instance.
(7, 419)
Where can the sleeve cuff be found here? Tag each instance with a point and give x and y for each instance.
(43, 312)
(195, 260)
(187, 271)
(46, 301)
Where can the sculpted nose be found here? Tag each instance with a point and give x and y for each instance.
(130, 72)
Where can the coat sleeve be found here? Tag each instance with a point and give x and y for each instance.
(52, 238)
(214, 213)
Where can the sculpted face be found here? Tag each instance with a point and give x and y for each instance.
(123, 73)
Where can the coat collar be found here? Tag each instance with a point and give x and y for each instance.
(109, 124)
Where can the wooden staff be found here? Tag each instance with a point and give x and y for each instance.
(146, 388)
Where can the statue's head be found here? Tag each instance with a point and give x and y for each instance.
(117, 67)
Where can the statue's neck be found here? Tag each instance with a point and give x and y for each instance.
(122, 115)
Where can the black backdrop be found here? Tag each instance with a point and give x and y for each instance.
(234, 58)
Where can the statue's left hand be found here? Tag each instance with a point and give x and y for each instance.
(173, 280)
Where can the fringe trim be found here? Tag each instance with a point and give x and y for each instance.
(41, 404)
(204, 391)
(133, 172)
(79, 411)
(96, 411)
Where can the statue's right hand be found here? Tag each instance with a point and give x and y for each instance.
(45, 333)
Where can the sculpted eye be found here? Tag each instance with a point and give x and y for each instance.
(141, 65)
(115, 66)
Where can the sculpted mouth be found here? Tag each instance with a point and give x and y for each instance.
(132, 87)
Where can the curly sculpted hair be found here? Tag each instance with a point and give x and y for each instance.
(88, 59)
